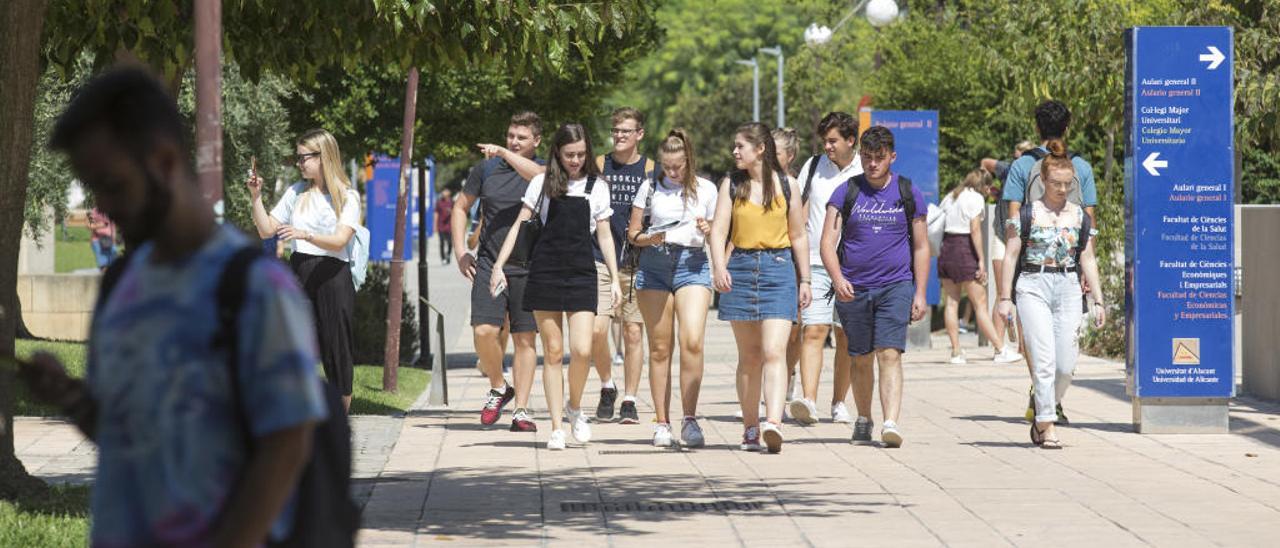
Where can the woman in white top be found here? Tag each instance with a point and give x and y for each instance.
(674, 279)
(318, 217)
(961, 265)
(573, 202)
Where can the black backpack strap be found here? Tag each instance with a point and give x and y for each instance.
(1037, 153)
(1086, 226)
(907, 199)
(786, 188)
(111, 278)
(591, 183)
(230, 298)
(1025, 216)
(808, 180)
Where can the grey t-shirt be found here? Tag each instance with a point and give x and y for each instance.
(499, 189)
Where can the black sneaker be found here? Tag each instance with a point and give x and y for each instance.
(1062, 417)
(862, 430)
(604, 411)
(628, 413)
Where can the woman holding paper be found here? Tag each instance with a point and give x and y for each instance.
(674, 280)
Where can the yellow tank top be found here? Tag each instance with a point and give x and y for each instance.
(755, 228)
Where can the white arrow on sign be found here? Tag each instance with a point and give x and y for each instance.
(1214, 58)
(1154, 162)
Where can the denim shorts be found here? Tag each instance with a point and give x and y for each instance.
(671, 267)
(877, 317)
(764, 286)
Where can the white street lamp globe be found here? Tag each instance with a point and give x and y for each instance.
(881, 12)
(816, 35)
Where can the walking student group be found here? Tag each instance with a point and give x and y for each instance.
(581, 245)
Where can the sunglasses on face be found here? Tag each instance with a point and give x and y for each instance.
(301, 158)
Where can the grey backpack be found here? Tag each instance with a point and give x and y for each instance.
(1035, 186)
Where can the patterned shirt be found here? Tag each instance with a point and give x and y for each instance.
(1052, 244)
(170, 441)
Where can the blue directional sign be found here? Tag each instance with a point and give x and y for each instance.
(1179, 185)
(380, 217)
(915, 139)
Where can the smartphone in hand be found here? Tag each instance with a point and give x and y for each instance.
(502, 286)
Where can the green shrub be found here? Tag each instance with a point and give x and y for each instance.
(369, 325)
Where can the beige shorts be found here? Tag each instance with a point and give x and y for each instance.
(604, 298)
(629, 311)
(997, 249)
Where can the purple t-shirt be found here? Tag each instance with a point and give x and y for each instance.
(876, 249)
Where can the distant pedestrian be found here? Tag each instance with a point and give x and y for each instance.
(102, 238)
(961, 264)
(444, 225)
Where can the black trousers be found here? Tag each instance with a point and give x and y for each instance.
(327, 283)
(446, 246)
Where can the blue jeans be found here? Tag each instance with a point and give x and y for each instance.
(104, 250)
(764, 286)
(671, 267)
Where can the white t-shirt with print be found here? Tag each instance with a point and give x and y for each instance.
(961, 210)
(599, 198)
(313, 212)
(669, 206)
(825, 181)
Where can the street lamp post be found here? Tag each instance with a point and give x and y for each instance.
(755, 86)
(878, 12)
(782, 100)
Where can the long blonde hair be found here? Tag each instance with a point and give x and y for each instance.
(333, 177)
(978, 180)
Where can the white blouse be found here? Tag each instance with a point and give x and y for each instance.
(669, 208)
(961, 210)
(599, 198)
(313, 212)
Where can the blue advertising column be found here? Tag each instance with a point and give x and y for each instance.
(380, 217)
(1179, 173)
(915, 138)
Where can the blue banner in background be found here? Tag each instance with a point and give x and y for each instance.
(1179, 192)
(915, 137)
(380, 217)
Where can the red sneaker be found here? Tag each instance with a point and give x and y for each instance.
(523, 422)
(493, 406)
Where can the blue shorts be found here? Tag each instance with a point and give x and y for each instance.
(877, 317)
(764, 286)
(671, 267)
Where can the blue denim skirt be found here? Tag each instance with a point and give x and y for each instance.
(764, 286)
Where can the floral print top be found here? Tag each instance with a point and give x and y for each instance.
(1053, 240)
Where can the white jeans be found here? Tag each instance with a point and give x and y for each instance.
(1049, 307)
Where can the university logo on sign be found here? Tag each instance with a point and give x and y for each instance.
(1186, 351)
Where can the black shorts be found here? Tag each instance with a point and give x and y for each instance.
(489, 310)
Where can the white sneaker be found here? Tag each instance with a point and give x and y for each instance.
(737, 413)
(772, 436)
(691, 433)
(958, 359)
(556, 441)
(840, 413)
(581, 428)
(662, 435)
(617, 360)
(793, 390)
(890, 435)
(804, 411)
(1007, 355)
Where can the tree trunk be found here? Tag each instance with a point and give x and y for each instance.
(22, 21)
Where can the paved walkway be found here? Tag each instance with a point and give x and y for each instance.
(967, 474)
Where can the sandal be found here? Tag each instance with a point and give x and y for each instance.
(1037, 435)
(1051, 444)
